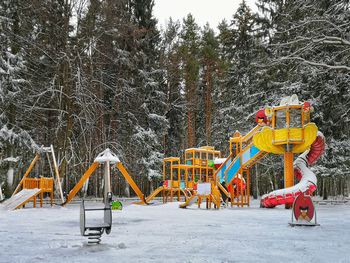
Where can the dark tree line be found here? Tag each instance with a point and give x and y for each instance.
(86, 75)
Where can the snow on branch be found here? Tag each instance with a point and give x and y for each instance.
(21, 137)
(326, 40)
(317, 64)
(311, 21)
(322, 40)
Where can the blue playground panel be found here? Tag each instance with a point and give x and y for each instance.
(249, 154)
(221, 173)
(246, 157)
(182, 185)
(234, 169)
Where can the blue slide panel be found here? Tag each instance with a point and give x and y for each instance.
(249, 154)
(234, 169)
(254, 151)
(246, 157)
(221, 173)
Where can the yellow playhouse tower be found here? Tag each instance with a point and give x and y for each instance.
(291, 132)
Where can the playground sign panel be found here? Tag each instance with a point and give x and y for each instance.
(304, 213)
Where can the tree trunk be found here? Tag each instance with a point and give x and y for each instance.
(324, 190)
(151, 188)
(191, 128)
(208, 104)
(127, 189)
(257, 181)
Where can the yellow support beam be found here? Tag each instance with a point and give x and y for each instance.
(81, 182)
(30, 168)
(131, 182)
(223, 189)
(288, 171)
(57, 173)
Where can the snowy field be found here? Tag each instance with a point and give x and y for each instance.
(165, 233)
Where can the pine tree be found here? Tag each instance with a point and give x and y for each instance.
(152, 123)
(220, 134)
(190, 58)
(210, 63)
(171, 63)
(14, 121)
(239, 96)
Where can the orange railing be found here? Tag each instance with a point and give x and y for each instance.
(44, 184)
(30, 183)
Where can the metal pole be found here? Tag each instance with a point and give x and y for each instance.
(107, 179)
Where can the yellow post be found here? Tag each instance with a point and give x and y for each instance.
(57, 173)
(36, 158)
(248, 187)
(288, 171)
(171, 182)
(81, 182)
(171, 173)
(132, 183)
(41, 198)
(179, 182)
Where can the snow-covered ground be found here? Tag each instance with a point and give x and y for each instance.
(165, 233)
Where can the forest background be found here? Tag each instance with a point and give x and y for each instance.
(85, 75)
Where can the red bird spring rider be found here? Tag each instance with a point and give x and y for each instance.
(304, 213)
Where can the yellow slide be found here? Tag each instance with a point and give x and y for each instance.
(187, 194)
(190, 201)
(154, 194)
(151, 196)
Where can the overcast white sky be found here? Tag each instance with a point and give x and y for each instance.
(212, 11)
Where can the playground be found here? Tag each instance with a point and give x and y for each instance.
(202, 212)
(165, 233)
